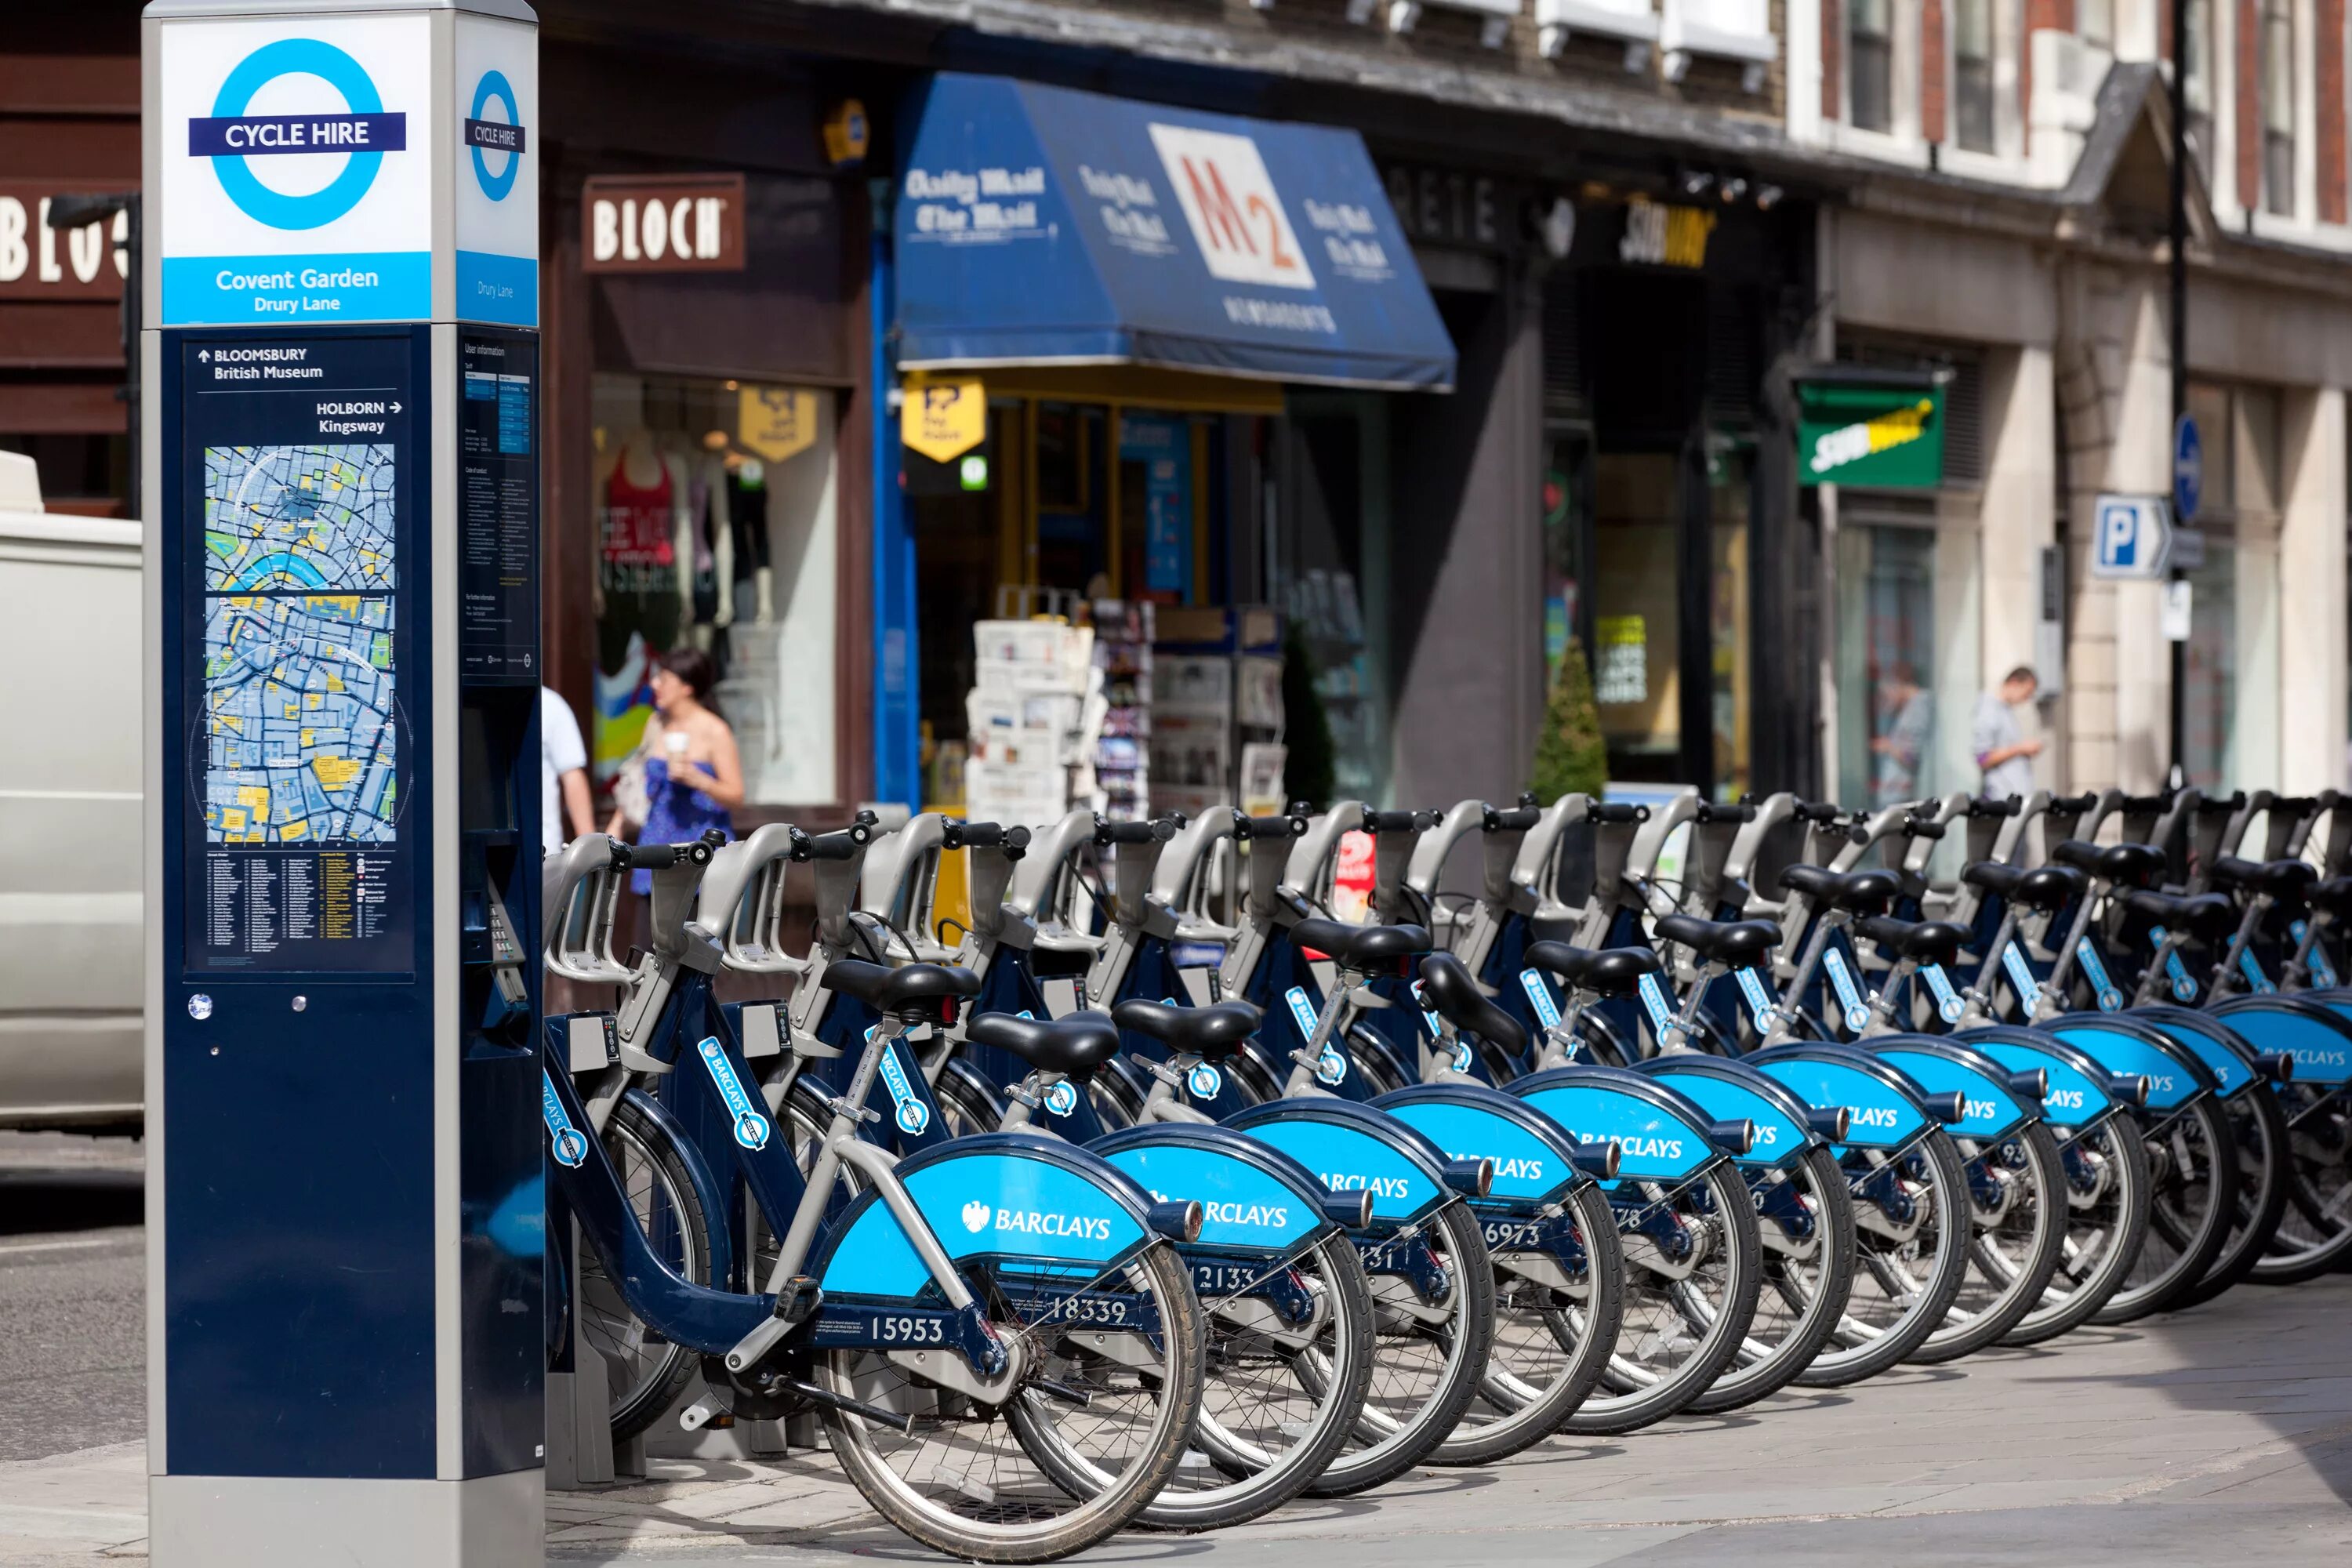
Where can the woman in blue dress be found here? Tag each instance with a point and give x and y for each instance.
(693, 772)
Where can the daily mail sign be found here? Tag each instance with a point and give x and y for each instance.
(298, 157)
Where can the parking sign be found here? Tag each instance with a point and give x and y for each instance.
(2131, 536)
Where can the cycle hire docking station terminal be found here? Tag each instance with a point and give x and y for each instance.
(346, 1313)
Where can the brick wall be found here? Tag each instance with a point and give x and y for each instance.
(1934, 71)
(2329, 17)
(2250, 104)
(1833, 59)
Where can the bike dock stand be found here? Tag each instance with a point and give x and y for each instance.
(346, 1333)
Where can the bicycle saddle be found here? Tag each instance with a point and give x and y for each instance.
(2122, 865)
(1211, 1033)
(2334, 895)
(2282, 879)
(1928, 942)
(2207, 917)
(1735, 944)
(2043, 888)
(1074, 1046)
(1857, 892)
(1361, 947)
(1611, 972)
(1446, 987)
(920, 991)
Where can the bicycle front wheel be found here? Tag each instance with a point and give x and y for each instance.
(2314, 1232)
(2016, 1221)
(2192, 1194)
(2104, 1168)
(1911, 1253)
(1805, 1222)
(2264, 1180)
(1093, 1429)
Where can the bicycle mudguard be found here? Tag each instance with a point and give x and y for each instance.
(1660, 1135)
(1535, 1157)
(2174, 1074)
(1350, 1148)
(1993, 1106)
(2225, 1053)
(1254, 1198)
(2317, 1033)
(2079, 1090)
(1023, 1198)
(1886, 1108)
(1734, 1091)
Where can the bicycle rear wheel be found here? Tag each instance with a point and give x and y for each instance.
(2315, 1231)
(2017, 1213)
(1554, 1331)
(2192, 1194)
(1692, 1271)
(1038, 1475)
(1805, 1223)
(1911, 1253)
(645, 1372)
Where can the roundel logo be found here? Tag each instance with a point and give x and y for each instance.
(361, 133)
(495, 141)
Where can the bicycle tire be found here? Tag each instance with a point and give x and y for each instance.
(1817, 1296)
(1408, 1414)
(1526, 1315)
(1857, 1350)
(634, 1140)
(2014, 1283)
(1639, 1397)
(2108, 1223)
(993, 1529)
(2263, 1184)
(2315, 1231)
(2190, 1243)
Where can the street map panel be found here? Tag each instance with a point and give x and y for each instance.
(302, 736)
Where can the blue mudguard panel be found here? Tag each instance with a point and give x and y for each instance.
(2222, 1050)
(2174, 1077)
(1733, 1092)
(1531, 1151)
(1882, 1101)
(1660, 1135)
(1253, 1196)
(2077, 1092)
(1988, 1110)
(1349, 1148)
(2317, 1034)
(1000, 1196)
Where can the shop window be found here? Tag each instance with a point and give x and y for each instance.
(1330, 549)
(1636, 613)
(1888, 718)
(2278, 105)
(1972, 88)
(1728, 614)
(2231, 664)
(1870, 64)
(715, 509)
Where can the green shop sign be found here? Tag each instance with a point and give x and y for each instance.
(1871, 432)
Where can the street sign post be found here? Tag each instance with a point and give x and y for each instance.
(2131, 536)
(2187, 468)
(346, 1329)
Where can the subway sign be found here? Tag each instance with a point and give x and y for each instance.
(1880, 433)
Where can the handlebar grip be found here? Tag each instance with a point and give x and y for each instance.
(1716, 811)
(845, 843)
(2078, 804)
(1283, 826)
(2147, 802)
(2235, 801)
(1519, 819)
(1920, 827)
(1158, 830)
(1399, 821)
(1616, 812)
(983, 835)
(1824, 811)
(659, 857)
(2008, 805)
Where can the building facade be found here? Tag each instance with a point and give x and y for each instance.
(1664, 241)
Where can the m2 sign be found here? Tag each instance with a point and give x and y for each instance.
(1230, 202)
(296, 164)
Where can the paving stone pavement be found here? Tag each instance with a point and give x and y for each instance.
(2221, 1433)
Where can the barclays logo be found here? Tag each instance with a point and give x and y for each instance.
(1874, 1116)
(1510, 1170)
(1379, 1186)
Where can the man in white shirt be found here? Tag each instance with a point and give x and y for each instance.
(2002, 749)
(562, 773)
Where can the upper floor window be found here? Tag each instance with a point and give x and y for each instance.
(2278, 105)
(1972, 124)
(2197, 75)
(1870, 64)
(2095, 22)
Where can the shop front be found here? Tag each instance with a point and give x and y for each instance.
(705, 336)
(1138, 351)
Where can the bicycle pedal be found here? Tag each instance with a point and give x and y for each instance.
(704, 1412)
(799, 1299)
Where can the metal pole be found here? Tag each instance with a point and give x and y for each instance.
(2179, 312)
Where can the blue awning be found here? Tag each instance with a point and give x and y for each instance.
(1041, 226)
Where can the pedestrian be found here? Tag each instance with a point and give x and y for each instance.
(565, 811)
(691, 770)
(1911, 717)
(2002, 749)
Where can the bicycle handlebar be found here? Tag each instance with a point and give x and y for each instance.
(2218, 804)
(1716, 811)
(659, 857)
(1616, 812)
(1921, 828)
(1519, 818)
(1283, 826)
(2008, 805)
(2080, 804)
(842, 845)
(1399, 821)
(984, 836)
(1824, 813)
(1157, 830)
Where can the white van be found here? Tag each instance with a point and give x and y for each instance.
(71, 652)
